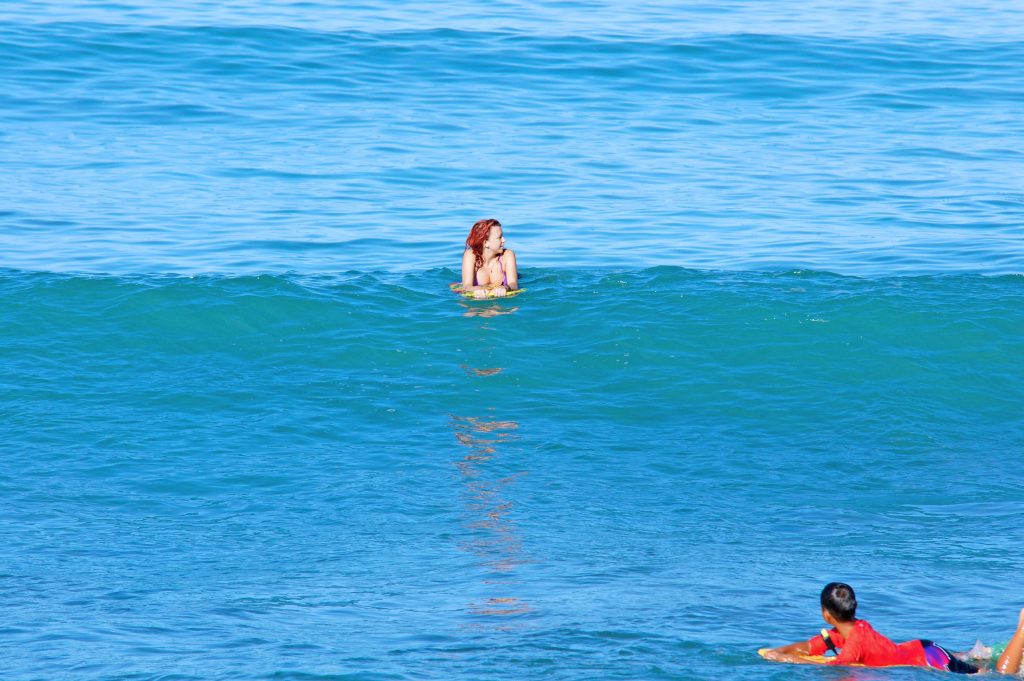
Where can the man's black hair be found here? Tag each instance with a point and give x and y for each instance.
(839, 600)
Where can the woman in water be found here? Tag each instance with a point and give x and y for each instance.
(488, 268)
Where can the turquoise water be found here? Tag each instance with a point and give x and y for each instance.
(773, 336)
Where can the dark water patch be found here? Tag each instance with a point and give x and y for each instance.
(266, 57)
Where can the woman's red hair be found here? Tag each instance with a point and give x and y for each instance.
(478, 235)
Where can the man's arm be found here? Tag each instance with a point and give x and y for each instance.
(800, 648)
(789, 653)
(1009, 661)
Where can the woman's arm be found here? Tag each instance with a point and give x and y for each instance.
(468, 270)
(511, 271)
(1009, 661)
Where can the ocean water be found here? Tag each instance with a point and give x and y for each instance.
(773, 335)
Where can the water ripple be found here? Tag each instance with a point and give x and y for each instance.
(745, 150)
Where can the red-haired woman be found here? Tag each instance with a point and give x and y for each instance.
(488, 268)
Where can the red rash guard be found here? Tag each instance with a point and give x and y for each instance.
(867, 647)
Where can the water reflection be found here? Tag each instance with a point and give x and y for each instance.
(500, 606)
(486, 310)
(492, 536)
(473, 371)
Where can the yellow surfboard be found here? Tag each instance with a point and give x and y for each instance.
(457, 288)
(821, 659)
(813, 659)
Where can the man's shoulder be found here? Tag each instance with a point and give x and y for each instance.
(862, 628)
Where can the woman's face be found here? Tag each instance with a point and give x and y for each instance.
(495, 240)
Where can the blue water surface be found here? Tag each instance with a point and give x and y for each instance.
(156, 140)
(773, 335)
